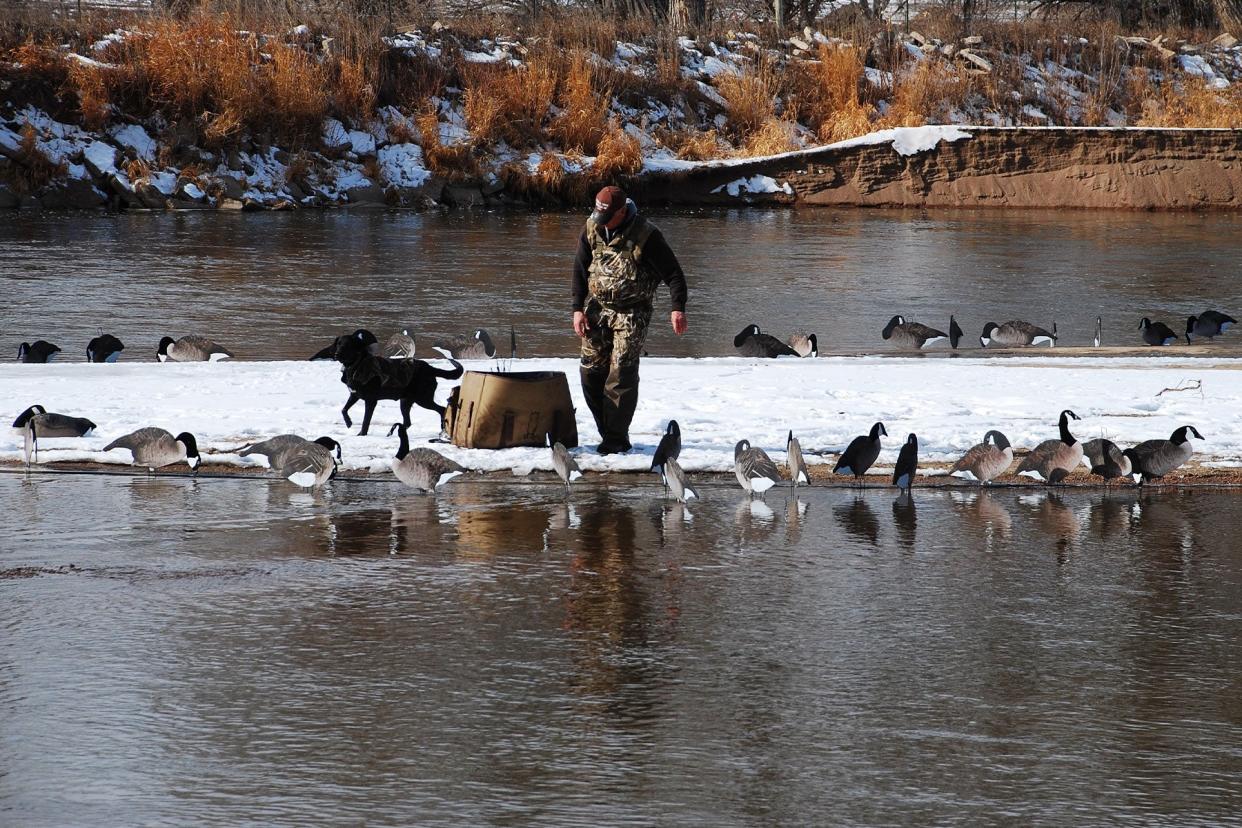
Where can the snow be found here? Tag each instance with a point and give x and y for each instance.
(759, 184)
(362, 143)
(949, 403)
(102, 155)
(1197, 66)
(164, 182)
(402, 165)
(193, 191)
(134, 137)
(334, 133)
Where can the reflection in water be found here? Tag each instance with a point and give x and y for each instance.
(246, 649)
(859, 520)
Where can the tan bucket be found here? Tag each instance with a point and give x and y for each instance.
(492, 410)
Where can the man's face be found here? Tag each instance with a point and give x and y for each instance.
(615, 221)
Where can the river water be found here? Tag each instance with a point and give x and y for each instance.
(279, 285)
(233, 652)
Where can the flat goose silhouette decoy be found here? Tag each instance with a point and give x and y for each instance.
(191, 349)
(986, 461)
(861, 453)
(675, 476)
(1016, 334)
(793, 458)
(40, 351)
(156, 448)
(421, 468)
(907, 464)
(916, 335)
(1156, 333)
(37, 422)
(1153, 459)
(1105, 459)
(753, 468)
(752, 342)
(305, 463)
(1052, 460)
(104, 348)
(668, 449)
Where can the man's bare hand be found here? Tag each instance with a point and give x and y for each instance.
(680, 326)
(580, 324)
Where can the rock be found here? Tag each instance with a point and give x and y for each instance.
(231, 204)
(1224, 41)
(100, 158)
(799, 43)
(188, 190)
(918, 39)
(73, 194)
(150, 196)
(459, 195)
(229, 186)
(118, 184)
(368, 193)
(252, 205)
(335, 137)
(977, 61)
(9, 200)
(973, 40)
(234, 161)
(284, 204)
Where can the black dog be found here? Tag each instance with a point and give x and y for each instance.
(370, 378)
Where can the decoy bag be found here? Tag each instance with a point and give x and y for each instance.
(503, 410)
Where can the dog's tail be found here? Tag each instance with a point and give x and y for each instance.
(451, 373)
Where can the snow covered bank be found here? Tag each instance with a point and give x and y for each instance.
(949, 403)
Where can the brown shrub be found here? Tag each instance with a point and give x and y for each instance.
(925, 94)
(1195, 105)
(693, 145)
(485, 113)
(454, 162)
(299, 92)
(353, 95)
(33, 168)
(619, 154)
(772, 138)
(91, 84)
(751, 98)
(551, 172)
(509, 104)
(584, 102)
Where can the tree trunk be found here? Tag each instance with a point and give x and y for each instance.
(1229, 13)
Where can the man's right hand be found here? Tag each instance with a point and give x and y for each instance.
(580, 324)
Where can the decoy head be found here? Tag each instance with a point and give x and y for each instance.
(192, 458)
(162, 352)
(1180, 436)
(789, 439)
(887, 333)
(955, 332)
(747, 333)
(912, 440)
(1190, 327)
(998, 439)
(365, 337)
(814, 342)
(28, 415)
(90, 426)
(1070, 414)
(877, 430)
(330, 445)
(742, 445)
(986, 336)
(1144, 323)
(22, 350)
(673, 428)
(488, 347)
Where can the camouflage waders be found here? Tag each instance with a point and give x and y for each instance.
(618, 311)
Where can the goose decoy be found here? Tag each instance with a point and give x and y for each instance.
(1156, 333)
(675, 475)
(399, 346)
(421, 468)
(907, 464)
(564, 463)
(478, 345)
(362, 335)
(306, 463)
(104, 348)
(986, 461)
(753, 468)
(668, 449)
(39, 351)
(191, 349)
(1208, 324)
(155, 448)
(1099, 331)
(1105, 459)
(797, 466)
(752, 342)
(1017, 334)
(861, 453)
(916, 335)
(804, 344)
(1052, 460)
(36, 421)
(1153, 459)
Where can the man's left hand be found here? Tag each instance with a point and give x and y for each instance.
(680, 326)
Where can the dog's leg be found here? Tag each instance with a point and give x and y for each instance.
(406, 403)
(353, 398)
(369, 406)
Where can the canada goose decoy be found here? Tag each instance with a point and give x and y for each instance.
(303, 462)
(668, 449)
(1099, 331)
(752, 342)
(362, 335)
(1208, 325)
(191, 349)
(907, 464)
(104, 348)
(564, 463)
(155, 448)
(1105, 459)
(1017, 334)
(793, 458)
(1156, 333)
(36, 422)
(675, 475)
(861, 453)
(804, 344)
(986, 461)
(399, 346)
(421, 468)
(39, 351)
(1153, 459)
(916, 335)
(478, 345)
(1052, 460)
(753, 468)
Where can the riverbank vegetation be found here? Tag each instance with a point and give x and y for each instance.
(293, 105)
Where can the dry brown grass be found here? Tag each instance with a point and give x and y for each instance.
(751, 98)
(91, 85)
(298, 92)
(551, 173)
(828, 94)
(924, 94)
(773, 137)
(584, 100)
(1194, 104)
(485, 113)
(619, 154)
(353, 94)
(510, 104)
(455, 162)
(32, 168)
(694, 145)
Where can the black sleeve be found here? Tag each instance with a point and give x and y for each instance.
(660, 257)
(581, 264)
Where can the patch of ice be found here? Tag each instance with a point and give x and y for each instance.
(134, 137)
(402, 165)
(755, 184)
(494, 56)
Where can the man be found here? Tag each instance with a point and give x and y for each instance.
(622, 259)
